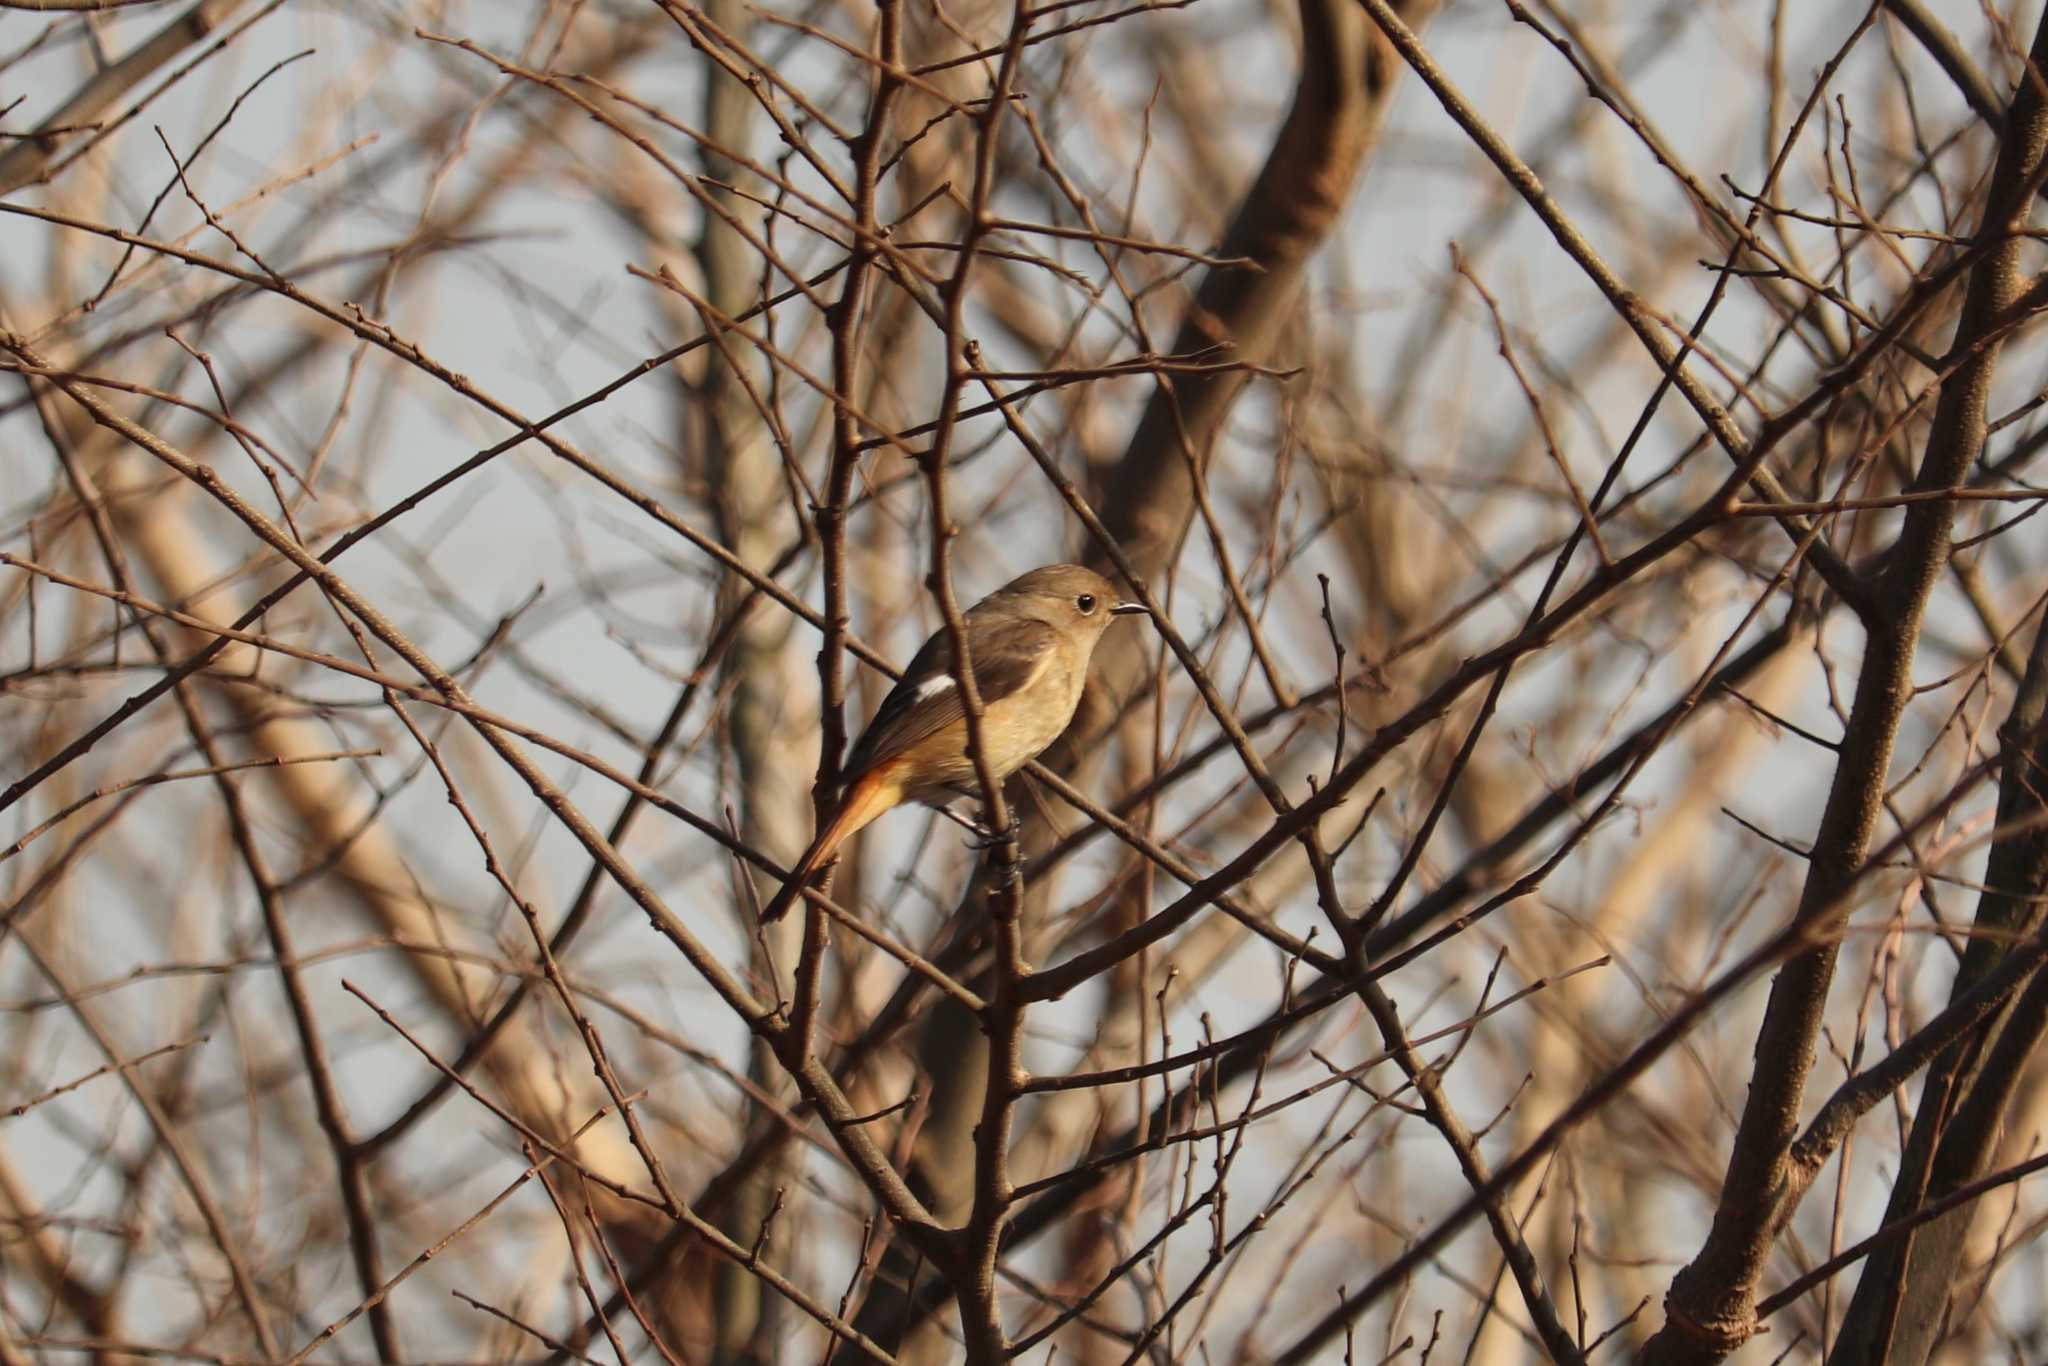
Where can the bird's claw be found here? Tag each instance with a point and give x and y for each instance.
(986, 839)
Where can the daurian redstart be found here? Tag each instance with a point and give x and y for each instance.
(1029, 644)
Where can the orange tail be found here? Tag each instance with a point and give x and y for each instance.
(872, 793)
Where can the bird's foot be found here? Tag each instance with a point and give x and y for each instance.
(986, 839)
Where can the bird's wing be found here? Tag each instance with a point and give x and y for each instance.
(1005, 659)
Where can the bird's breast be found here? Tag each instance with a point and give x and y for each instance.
(1015, 729)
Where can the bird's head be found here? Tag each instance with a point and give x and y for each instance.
(1069, 596)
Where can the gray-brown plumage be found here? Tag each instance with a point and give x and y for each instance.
(1029, 644)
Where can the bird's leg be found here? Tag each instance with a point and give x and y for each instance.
(986, 839)
(1005, 872)
(983, 837)
(991, 838)
(967, 823)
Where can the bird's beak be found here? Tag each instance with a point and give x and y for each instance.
(1127, 609)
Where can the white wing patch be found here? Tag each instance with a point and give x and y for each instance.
(932, 687)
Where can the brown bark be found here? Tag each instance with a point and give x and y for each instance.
(1710, 1309)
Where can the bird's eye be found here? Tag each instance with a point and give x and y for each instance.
(1086, 602)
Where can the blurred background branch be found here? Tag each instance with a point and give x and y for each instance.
(470, 468)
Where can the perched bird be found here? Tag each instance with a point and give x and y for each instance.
(1029, 644)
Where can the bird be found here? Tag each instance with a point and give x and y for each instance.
(1029, 644)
